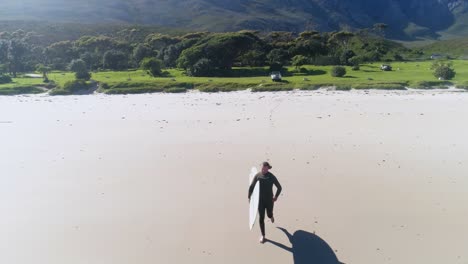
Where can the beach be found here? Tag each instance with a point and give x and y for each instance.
(368, 177)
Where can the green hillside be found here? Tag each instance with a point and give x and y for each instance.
(407, 19)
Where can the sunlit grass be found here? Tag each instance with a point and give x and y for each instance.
(410, 74)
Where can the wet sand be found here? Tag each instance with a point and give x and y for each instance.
(376, 177)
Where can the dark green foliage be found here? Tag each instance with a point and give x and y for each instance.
(203, 67)
(80, 70)
(153, 66)
(86, 76)
(222, 49)
(325, 60)
(277, 58)
(115, 60)
(338, 71)
(299, 60)
(140, 52)
(5, 79)
(443, 70)
(77, 66)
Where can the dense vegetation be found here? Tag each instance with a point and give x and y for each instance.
(199, 54)
(169, 62)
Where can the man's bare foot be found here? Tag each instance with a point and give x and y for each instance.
(262, 239)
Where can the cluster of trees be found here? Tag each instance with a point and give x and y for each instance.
(199, 54)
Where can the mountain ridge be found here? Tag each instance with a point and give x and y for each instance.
(407, 19)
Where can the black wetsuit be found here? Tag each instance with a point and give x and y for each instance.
(266, 195)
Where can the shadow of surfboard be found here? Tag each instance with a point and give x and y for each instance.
(308, 248)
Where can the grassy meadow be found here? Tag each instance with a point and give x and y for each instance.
(404, 74)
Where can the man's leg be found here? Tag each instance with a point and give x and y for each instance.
(269, 211)
(261, 214)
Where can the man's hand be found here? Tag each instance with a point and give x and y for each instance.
(274, 199)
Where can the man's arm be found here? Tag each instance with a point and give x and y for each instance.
(278, 188)
(252, 185)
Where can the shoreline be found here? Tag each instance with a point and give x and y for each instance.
(451, 89)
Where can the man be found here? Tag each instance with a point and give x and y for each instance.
(266, 180)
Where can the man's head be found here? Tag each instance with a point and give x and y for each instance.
(266, 167)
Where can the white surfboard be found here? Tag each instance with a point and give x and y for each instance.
(254, 199)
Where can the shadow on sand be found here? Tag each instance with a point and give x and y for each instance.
(308, 248)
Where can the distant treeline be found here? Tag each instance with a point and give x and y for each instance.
(198, 53)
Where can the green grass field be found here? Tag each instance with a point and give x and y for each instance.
(404, 74)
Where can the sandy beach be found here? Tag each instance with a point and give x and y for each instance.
(368, 177)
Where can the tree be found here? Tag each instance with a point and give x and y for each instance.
(443, 70)
(222, 49)
(79, 68)
(92, 60)
(153, 66)
(253, 58)
(140, 52)
(115, 60)
(203, 68)
(277, 58)
(299, 60)
(44, 70)
(15, 54)
(339, 41)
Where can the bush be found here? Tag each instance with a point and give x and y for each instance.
(444, 72)
(5, 79)
(85, 76)
(356, 68)
(338, 71)
(80, 69)
(153, 66)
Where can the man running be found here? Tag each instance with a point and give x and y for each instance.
(267, 180)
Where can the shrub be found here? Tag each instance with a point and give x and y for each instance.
(80, 69)
(5, 79)
(153, 66)
(338, 71)
(85, 76)
(443, 71)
